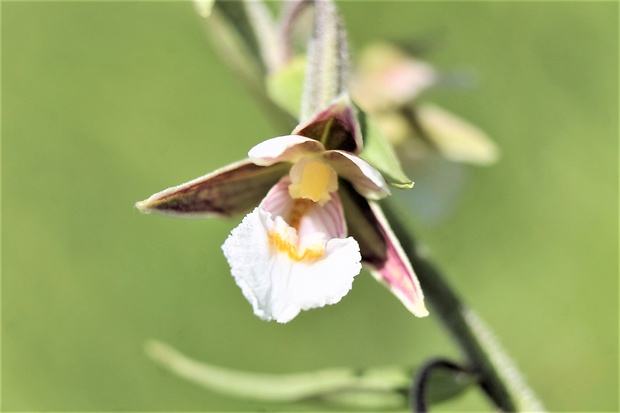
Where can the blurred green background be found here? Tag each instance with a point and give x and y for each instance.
(106, 103)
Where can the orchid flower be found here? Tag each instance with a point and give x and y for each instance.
(315, 224)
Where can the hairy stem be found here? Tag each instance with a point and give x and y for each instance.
(328, 60)
(499, 377)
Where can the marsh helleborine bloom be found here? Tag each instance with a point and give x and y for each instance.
(291, 252)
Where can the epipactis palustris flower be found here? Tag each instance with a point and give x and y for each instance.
(315, 224)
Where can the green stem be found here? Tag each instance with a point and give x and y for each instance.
(499, 377)
(328, 57)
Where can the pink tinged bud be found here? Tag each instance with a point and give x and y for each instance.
(388, 78)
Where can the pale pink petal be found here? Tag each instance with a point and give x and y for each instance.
(278, 202)
(406, 80)
(381, 250)
(228, 191)
(327, 220)
(278, 286)
(397, 273)
(363, 226)
(289, 148)
(364, 177)
(388, 77)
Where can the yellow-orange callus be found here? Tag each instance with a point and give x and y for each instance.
(284, 245)
(313, 179)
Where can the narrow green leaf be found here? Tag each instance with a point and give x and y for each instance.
(380, 153)
(281, 387)
(378, 388)
(375, 401)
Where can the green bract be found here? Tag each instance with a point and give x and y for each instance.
(379, 153)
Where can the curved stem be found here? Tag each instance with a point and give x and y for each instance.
(499, 377)
(291, 12)
(419, 389)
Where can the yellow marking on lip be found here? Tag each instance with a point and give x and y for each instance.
(285, 246)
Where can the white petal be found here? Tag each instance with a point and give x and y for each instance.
(365, 178)
(279, 287)
(327, 219)
(278, 201)
(284, 148)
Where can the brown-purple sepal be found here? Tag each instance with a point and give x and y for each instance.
(344, 131)
(363, 226)
(381, 251)
(226, 192)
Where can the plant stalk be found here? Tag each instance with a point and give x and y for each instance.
(499, 377)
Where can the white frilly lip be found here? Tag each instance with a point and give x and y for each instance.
(277, 285)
